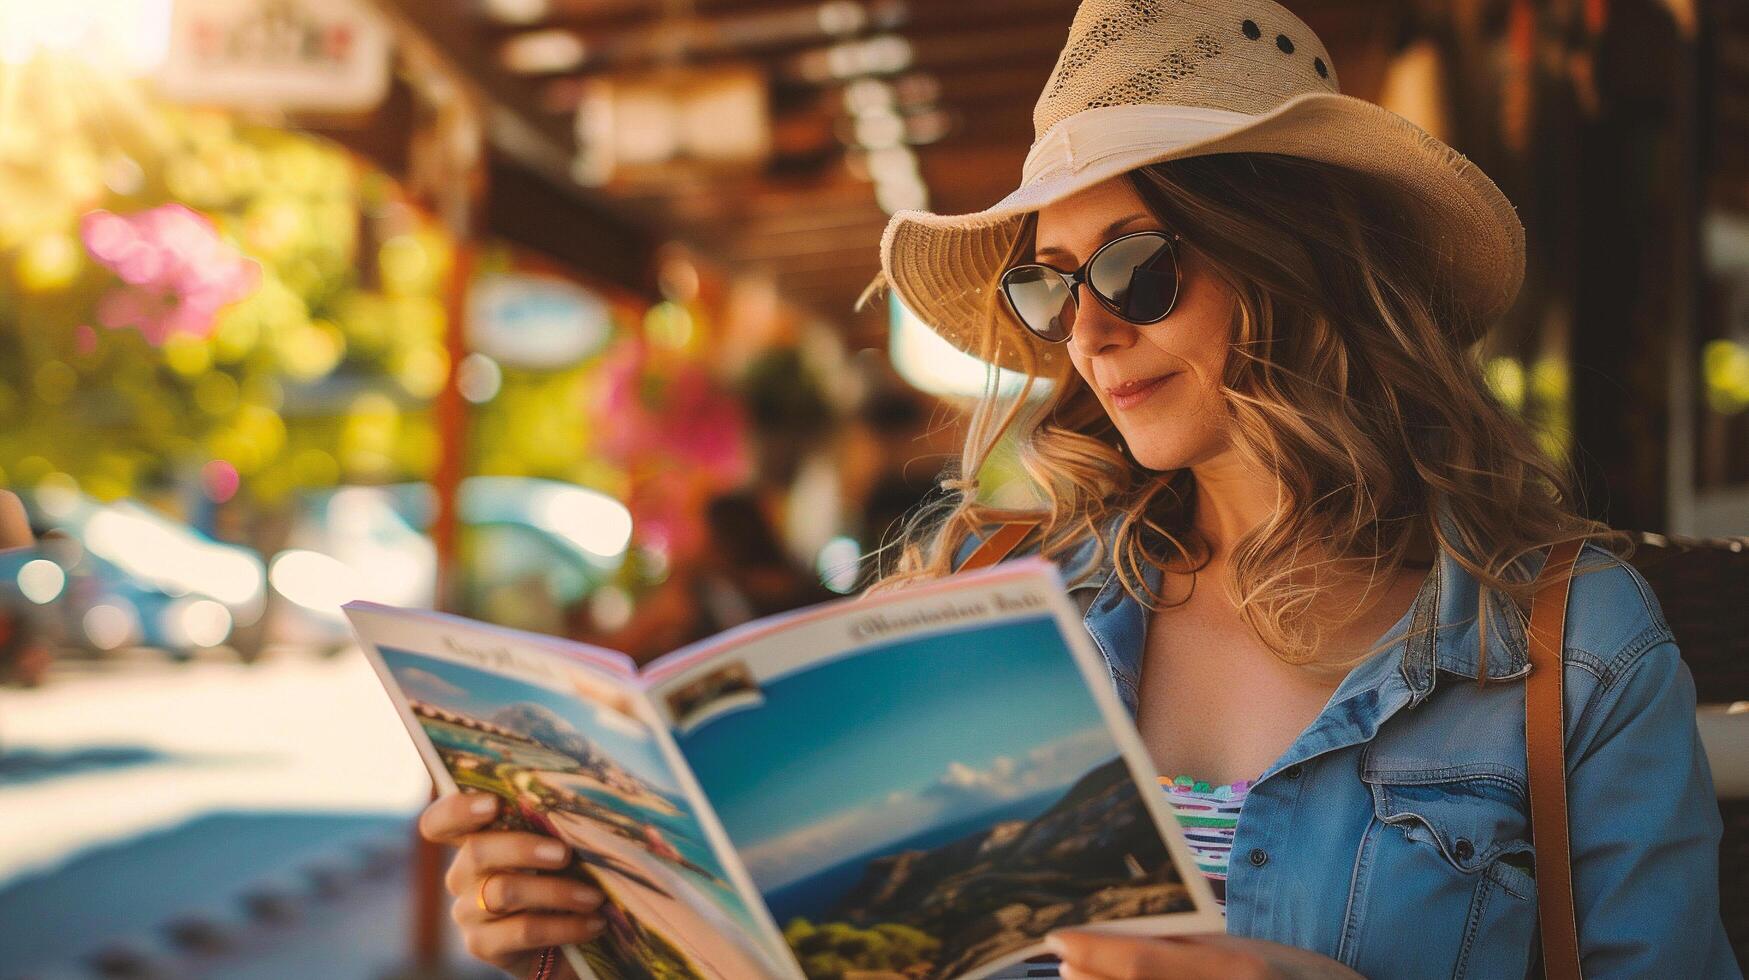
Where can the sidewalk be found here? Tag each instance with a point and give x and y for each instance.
(160, 809)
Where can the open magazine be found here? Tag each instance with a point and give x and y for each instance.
(912, 784)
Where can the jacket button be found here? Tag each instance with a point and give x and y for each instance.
(1292, 772)
(1463, 849)
(1259, 857)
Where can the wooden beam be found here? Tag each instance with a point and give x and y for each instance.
(1633, 299)
(517, 135)
(861, 237)
(590, 17)
(525, 209)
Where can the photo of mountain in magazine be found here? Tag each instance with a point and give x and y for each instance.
(915, 784)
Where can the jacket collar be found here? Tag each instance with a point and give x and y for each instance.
(1453, 645)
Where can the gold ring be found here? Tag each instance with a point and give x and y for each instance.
(480, 897)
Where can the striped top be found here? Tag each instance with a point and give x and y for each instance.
(1209, 815)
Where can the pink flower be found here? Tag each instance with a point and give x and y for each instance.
(677, 431)
(650, 408)
(177, 272)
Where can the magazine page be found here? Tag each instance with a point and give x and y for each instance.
(569, 742)
(924, 783)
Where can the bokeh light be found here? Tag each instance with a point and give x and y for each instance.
(197, 622)
(669, 324)
(316, 581)
(933, 365)
(838, 563)
(479, 378)
(127, 35)
(1725, 370)
(51, 261)
(41, 581)
(111, 624)
(220, 480)
(1505, 375)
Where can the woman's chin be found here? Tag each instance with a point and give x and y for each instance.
(1172, 454)
(1157, 459)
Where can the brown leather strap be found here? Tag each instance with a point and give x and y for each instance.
(1544, 744)
(997, 546)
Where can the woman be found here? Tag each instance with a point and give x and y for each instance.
(1303, 532)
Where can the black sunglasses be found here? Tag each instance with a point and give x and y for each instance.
(1135, 276)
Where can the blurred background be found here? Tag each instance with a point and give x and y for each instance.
(543, 311)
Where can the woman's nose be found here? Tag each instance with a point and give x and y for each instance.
(1097, 329)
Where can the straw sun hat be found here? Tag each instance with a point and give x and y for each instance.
(1145, 81)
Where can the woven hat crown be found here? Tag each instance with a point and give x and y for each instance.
(1247, 56)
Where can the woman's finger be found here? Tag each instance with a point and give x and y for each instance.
(1110, 956)
(516, 935)
(509, 850)
(447, 818)
(486, 851)
(505, 892)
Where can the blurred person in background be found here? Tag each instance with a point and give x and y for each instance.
(14, 522)
(741, 574)
(24, 654)
(747, 573)
(892, 418)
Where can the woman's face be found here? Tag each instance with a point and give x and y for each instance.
(1177, 417)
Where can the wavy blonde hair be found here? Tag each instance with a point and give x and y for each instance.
(1343, 382)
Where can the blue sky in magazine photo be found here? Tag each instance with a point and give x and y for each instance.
(851, 754)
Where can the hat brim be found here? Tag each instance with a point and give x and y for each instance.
(944, 267)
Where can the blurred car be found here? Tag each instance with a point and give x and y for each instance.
(532, 547)
(125, 575)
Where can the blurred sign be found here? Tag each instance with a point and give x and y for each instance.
(536, 322)
(642, 126)
(329, 55)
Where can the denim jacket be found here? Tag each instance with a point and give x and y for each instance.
(1393, 834)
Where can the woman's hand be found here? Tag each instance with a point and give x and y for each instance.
(1089, 955)
(525, 911)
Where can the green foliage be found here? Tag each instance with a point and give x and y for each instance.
(909, 937)
(826, 966)
(350, 283)
(797, 932)
(637, 952)
(829, 950)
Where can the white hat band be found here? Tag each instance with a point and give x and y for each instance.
(1084, 139)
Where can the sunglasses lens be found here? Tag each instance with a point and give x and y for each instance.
(1138, 276)
(1040, 300)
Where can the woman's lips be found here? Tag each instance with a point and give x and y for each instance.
(1131, 394)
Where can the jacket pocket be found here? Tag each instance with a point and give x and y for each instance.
(1453, 867)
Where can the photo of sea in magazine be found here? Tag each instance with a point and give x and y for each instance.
(914, 784)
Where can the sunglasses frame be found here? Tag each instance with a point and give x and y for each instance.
(1079, 277)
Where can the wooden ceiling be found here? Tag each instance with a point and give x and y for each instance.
(807, 217)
